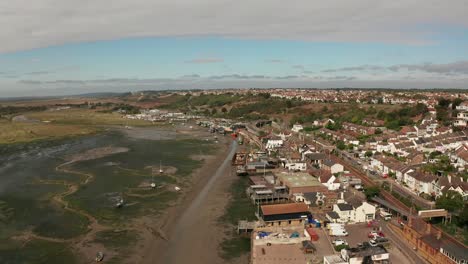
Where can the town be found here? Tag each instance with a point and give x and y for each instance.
(356, 191)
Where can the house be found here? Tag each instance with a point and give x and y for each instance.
(415, 158)
(274, 143)
(354, 210)
(363, 211)
(332, 167)
(419, 181)
(312, 199)
(363, 130)
(315, 159)
(409, 130)
(330, 181)
(460, 158)
(344, 211)
(284, 214)
(295, 166)
(297, 128)
(323, 122)
(451, 183)
(462, 119)
(463, 106)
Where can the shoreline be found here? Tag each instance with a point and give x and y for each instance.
(163, 249)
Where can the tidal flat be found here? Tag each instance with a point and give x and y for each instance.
(57, 207)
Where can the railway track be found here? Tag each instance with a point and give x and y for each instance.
(367, 182)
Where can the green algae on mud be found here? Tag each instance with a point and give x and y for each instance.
(36, 251)
(29, 182)
(121, 176)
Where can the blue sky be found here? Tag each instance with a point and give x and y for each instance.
(418, 50)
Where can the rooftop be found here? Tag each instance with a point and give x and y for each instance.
(298, 179)
(345, 207)
(280, 254)
(289, 208)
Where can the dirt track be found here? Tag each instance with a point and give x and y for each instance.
(192, 233)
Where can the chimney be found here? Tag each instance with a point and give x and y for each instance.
(410, 222)
(449, 179)
(439, 235)
(428, 228)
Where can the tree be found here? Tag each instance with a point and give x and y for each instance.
(340, 145)
(378, 131)
(444, 102)
(463, 217)
(214, 111)
(456, 102)
(371, 192)
(224, 110)
(368, 154)
(450, 201)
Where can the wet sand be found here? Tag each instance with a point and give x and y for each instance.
(190, 230)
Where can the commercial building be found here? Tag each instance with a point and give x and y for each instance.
(284, 214)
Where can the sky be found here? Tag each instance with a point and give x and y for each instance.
(61, 47)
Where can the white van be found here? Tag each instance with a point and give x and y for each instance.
(385, 215)
(338, 232)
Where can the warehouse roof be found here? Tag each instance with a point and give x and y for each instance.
(289, 208)
(299, 179)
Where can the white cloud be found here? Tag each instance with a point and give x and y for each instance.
(452, 68)
(30, 24)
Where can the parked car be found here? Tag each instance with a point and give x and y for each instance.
(378, 241)
(374, 234)
(339, 242)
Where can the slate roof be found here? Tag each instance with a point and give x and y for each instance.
(333, 215)
(345, 207)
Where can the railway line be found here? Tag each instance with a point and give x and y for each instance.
(367, 182)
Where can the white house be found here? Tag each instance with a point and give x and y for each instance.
(355, 211)
(364, 213)
(274, 143)
(296, 166)
(332, 166)
(344, 212)
(297, 128)
(463, 106)
(330, 181)
(420, 182)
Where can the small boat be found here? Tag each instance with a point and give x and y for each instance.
(120, 203)
(177, 188)
(160, 167)
(99, 256)
(153, 185)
